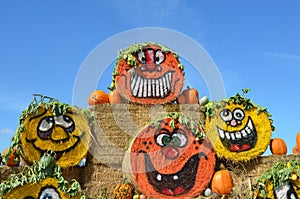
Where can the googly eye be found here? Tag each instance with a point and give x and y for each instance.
(65, 122)
(141, 57)
(179, 140)
(226, 115)
(163, 139)
(238, 114)
(48, 193)
(159, 57)
(46, 123)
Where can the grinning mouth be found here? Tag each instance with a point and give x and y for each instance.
(176, 183)
(238, 141)
(142, 87)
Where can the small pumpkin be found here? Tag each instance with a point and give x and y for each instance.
(97, 97)
(180, 99)
(295, 150)
(222, 182)
(114, 97)
(191, 95)
(13, 158)
(278, 146)
(123, 191)
(298, 140)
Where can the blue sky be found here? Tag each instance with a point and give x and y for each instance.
(254, 44)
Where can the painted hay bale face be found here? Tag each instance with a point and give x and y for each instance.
(166, 159)
(238, 131)
(148, 74)
(47, 188)
(68, 135)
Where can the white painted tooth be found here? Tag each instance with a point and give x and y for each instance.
(232, 136)
(165, 86)
(227, 135)
(136, 86)
(145, 88)
(170, 76)
(161, 88)
(175, 177)
(133, 81)
(141, 85)
(159, 177)
(238, 135)
(168, 81)
(157, 88)
(221, 133)
(250, 124)
(248, 130)
(244, 134)
(149, 88)
(153, 87)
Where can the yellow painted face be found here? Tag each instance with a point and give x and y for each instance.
(67, 135)
(239, 134)
(47, 188)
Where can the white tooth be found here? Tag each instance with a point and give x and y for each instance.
(149, 88)
(227, 135)
(158, 177)
(232, 136)
(165, 86)
(168, 81)
(145, 88)
(157, 88)
(244, 134)
(221, 133)
(238, 135)
(161, 88)
(140, 94)
(175, 177)
(136, 87)
(250, 125)
(248, 130)
(153, 87)
(170, 76)
(133, 80)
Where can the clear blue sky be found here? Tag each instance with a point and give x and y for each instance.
(254, 44)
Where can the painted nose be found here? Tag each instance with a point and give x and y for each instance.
(233, 122)
(170, 152)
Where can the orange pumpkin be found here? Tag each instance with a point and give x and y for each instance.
(114, 97)
(296, 150)
(13, 158)
(278, 146)
(166, 160)
(222, 182)
(191, 95)
(298, 140)
(148, 73)
(180, 99)
(97, 97)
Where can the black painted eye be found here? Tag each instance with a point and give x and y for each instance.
(226, 115)
(163, 139)
(65, 122)
(49, 193)
(141, 57)
(238, 114)
(159, 57)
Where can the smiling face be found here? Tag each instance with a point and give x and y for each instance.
(157, 77)
(239, 134)
(47, 188)
(168, 161)
(67, 135)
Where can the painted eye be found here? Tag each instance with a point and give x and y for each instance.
(66, 122)
(49, 193)
(141, 57)
(46, 123)
(179, 140)
(163, 139)
(159, 57)
(238, 114)
(226, 115)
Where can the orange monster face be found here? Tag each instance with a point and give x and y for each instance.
(169, 161)
(149, 75)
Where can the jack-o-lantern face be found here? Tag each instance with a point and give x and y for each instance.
(149, 75)
(67, 135)
(168, 161)
(47, 188)
(238, 133)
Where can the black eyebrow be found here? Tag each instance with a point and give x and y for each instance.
(36, 116)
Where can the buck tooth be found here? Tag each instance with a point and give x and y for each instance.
(175, 177)
(145, 88)
(140, 93)
(232, 136)
(244, 134)
(161, 88)
(149, 87)
(158, 177)
(221, 133)
(238, 135)
(227, 135)
(157, 88)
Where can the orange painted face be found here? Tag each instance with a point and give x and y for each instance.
(168, 161)
(156, 78)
